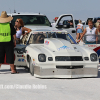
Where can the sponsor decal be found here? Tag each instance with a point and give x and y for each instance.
(47, 42)
(63, 47)
(92, 45)
(19, 55)
(24, 56)
(21, 60)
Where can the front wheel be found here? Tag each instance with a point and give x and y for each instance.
(31, 67)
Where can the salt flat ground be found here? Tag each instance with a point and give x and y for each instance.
(55, 89)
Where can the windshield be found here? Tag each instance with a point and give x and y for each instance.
(67, 37)
(38, 37)
(32, 20)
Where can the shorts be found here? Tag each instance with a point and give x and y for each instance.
(79, 30)
(9, 51)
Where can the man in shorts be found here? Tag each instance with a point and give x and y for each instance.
(7, 32)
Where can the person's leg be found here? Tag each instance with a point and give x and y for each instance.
(77, 37)
(10, 57)
(2, 54)
(12, 68)
(81, 36)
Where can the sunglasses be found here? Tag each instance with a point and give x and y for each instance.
(17, 21)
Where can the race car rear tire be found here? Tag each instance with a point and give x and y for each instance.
(31, 67)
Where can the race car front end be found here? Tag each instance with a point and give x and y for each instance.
(64, 66)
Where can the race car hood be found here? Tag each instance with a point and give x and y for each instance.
(57, 47)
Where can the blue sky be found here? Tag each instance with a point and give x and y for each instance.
(81, 9)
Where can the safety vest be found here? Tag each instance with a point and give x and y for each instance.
(5, 32)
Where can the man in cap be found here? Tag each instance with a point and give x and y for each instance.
(7, 32)
(53, 24)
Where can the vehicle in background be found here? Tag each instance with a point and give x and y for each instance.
(93, 19)
(83, 22)
(32, 20)
(39, 21)
(66, 22)
(55, 54)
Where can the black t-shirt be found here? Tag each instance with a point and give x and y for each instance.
(13, 31)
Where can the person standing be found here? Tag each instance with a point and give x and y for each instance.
(98, 31)
(79, 30)
(90, 34)
(7, 33)
(53, 24)
(20, 29)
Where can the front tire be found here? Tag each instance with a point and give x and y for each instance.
(31, 67)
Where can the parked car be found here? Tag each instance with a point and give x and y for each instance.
(55, 54)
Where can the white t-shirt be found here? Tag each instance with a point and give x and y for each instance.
(90, 34)
(53, 24)
(19, 33)
(79, 26)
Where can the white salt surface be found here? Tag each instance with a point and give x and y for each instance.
(56, 89)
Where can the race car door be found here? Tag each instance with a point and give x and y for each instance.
(66, 22)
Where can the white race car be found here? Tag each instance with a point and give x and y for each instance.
(56, 55)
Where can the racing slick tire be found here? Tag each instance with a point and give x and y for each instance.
(31, 67)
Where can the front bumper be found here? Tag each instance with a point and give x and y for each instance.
(51, 71)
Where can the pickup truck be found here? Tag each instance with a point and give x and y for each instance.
(36, 21)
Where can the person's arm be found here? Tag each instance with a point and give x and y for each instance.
(96, 32)
(26, 29)
(82, 28)
(82, 35)
(13, 33)
(14, 36)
